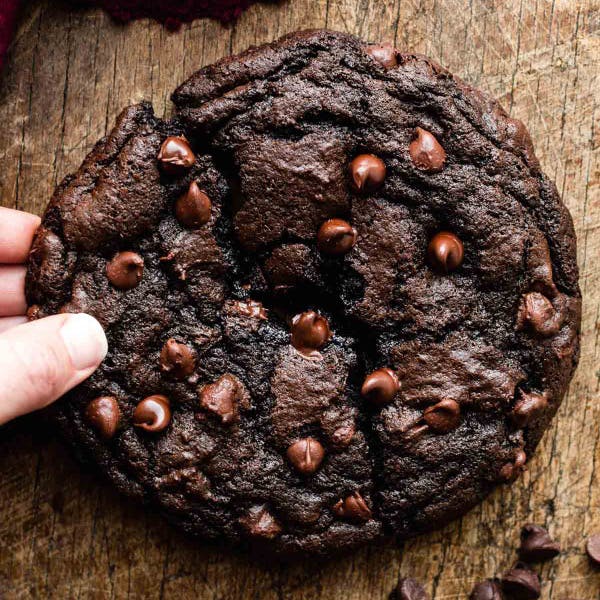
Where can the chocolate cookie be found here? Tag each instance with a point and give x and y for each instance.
(340, 296)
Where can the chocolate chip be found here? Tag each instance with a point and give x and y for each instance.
(125, 270)
(536, 544)
(192, 208)
(352, 508)
(336, 236)
(34, 312)
(177, 359)
(510, 471)
(259, 522)
(152, 413)
(528, 407)
(222, 397)
(445, 252)
(310, 332)
(384, 54)
(592, 547)
(250, 308)
(486, 590)
(381, 386)
(538, 313)
(103, 415)
(426, 152)
(520, 583)
(175, 155)
(342, 436)
(410, 589)
(367, 172)
(444, 416)
(306, 455)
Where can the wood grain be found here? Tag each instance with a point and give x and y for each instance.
(64, 533)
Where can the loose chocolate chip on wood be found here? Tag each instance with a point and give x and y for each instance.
(381, 386)
(352, 508)
(528, 407)
(444, 416)
(259, 522)
(192, 208)
(536, 544)
(410, 589)
(175, 156)
(125, 270)
(510, 471)
(520, 583)
(384, 54)
(367, 172)
(103, 415)
(426, 152)
(445, 252)
(486, 590)
(306, 455)
(177, 359)
(310, 332)
(592, 548)
(336, 236)
(152, 414)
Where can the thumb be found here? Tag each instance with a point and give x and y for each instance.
(41, 360)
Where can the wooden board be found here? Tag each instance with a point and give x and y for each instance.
(64, 533)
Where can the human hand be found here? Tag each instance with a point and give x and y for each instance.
(41, 360)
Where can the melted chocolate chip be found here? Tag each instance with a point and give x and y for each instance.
(538, 313)
(592, 547)
(510, 471)
(152, 413)
(367, 172)
(310, 332)
(250, 308)
(177, 359)
(259, 522)
(486, 590)
(192, 208)
(352, 508)
(381, 386)
(336, 236)
(306, 455)
(445, 252)
(444, 416)
(426, 152)
(125, 270)
(34, 312)
(222, 397)
(528, 408)
(536, 544)
(410, 589)
(384, 54)
(175, 156)
(520, 583)
(103, 415)
(343, 435)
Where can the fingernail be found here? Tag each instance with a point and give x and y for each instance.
(85, 341)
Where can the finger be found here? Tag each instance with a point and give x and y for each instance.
(7, 323)
(16, 235)
(12, 290)
(41, 360)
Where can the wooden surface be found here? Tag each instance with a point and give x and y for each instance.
(64, 533)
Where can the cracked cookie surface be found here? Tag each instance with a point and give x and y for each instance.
(340, 296)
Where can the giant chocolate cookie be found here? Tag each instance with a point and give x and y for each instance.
(340, 296)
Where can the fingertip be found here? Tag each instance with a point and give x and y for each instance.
(85, 340)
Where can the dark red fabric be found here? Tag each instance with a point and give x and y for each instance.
(170, 12)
